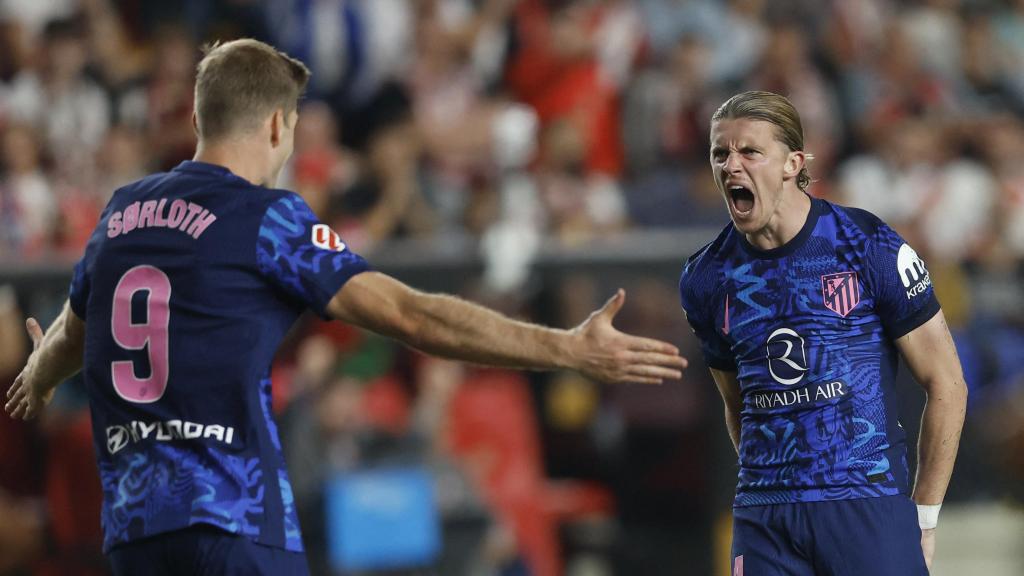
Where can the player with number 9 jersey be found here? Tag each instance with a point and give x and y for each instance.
(201, 275)
(187, 287)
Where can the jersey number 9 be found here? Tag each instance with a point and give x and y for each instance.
(151, 334)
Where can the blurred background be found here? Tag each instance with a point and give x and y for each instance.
(532, 155)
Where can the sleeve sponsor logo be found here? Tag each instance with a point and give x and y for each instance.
(327, 239)
(914, 275)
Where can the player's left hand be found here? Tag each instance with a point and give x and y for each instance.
(23, 399)
(928, 546)
(612, 356)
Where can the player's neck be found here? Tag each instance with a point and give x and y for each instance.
(786, 222)
(243, 160)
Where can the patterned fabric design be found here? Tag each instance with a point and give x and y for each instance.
(819, 418)
(292, 533)
(287, 256)
(146, 490)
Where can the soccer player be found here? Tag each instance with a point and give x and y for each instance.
(802, 308)
(186, 288)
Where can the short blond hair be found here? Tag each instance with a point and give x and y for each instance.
(239, 83)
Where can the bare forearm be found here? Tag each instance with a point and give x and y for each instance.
(732, 422)
(454, 328)
(939, 441)
(60, 355)
(728, 385)
(458, 329)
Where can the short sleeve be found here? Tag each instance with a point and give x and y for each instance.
(303, 257)
(80, 285)
(695, 299)
(901, 285)
(81, 277)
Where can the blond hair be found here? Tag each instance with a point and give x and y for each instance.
(776, 110)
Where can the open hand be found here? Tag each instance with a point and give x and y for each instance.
(23, 400)
(608, 355)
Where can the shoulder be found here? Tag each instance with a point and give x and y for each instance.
(709, 254)
(275, 202)
(144, 183)
(857, 219)
(699, 275)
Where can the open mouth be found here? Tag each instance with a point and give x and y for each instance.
(742, 199)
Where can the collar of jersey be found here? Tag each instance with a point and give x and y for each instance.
(789, 247)
(206, 168)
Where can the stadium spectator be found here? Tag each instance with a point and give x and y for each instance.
(59, 100)
(28, 205)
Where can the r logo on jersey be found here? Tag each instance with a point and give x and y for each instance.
(324, 237)
(841, 292)
(787, 358)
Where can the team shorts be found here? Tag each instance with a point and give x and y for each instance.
(204, 551)
(868, 536)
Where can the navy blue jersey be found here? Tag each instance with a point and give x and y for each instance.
(187, 286)
(809, 328)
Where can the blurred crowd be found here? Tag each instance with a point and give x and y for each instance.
(510, 123)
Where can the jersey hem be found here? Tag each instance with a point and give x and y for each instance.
(773, 497)
(112, 544)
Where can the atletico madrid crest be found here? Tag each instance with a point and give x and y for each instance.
(841, 292)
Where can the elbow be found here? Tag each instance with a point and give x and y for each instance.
(953, 390)
(400, 325)
(409, 331)
(406, 324)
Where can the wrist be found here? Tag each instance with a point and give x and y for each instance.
(570, 356)
(928, 516)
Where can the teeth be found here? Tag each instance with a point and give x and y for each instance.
(735, 187)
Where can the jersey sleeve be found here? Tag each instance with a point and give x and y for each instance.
(302, 256)
(695, 299)
(81, 276)
(80, 285)
(901, 285)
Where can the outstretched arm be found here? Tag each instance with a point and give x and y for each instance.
(55, 357)
(932, 359)
(454, 328)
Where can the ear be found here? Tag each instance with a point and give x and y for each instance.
(195, 123)
(276, 127)
(794, 164)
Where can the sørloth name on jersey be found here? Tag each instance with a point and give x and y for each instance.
(188, 217)
(118, 436)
